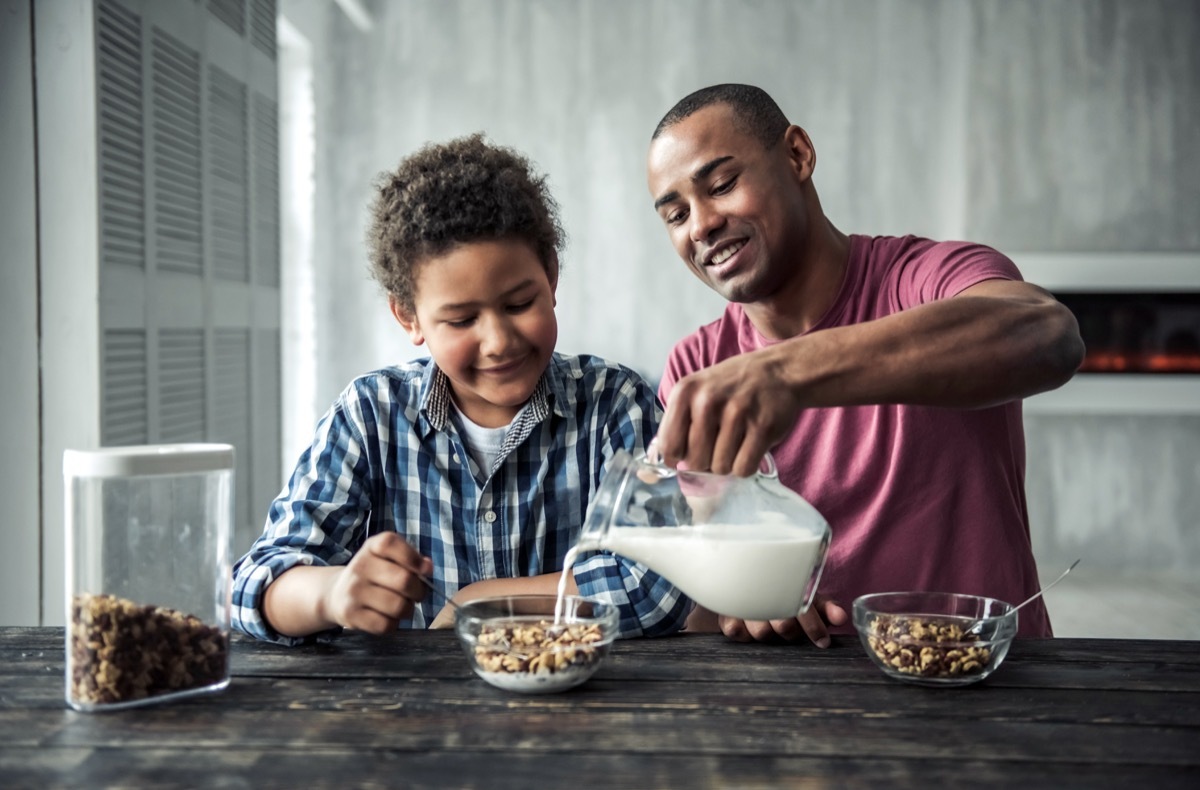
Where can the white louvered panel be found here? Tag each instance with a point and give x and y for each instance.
(228, 171)
(266, 190)
(231, 12)
(176, 163)
(268, 421)
(262, 26)
(181, 385)
(124, 407)
(122, 185)
(231, 407)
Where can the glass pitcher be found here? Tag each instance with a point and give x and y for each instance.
(742, 547)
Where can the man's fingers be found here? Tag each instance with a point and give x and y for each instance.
(726, 446)
(750, 454)
(671, 439)
(789, 630)
(734, 629)
(700, 439)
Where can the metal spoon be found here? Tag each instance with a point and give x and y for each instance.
(977, 624)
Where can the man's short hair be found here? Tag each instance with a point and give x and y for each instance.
(757, 113)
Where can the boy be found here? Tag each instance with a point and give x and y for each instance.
(474, 467)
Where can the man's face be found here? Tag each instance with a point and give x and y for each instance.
(733, 209)
(486, 310)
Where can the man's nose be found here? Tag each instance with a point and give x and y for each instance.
(705, 220)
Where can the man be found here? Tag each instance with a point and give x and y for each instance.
(884, 374)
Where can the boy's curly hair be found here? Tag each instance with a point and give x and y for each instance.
(452, 193)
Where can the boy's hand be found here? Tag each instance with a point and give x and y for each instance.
(812, 623)
(379, 586)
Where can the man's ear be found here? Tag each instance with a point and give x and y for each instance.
(409, 322)
(800, 152)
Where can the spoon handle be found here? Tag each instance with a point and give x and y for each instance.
(1048, 586)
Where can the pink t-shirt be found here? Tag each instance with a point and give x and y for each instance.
(918, 498)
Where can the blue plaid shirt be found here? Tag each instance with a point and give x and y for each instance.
(388, 456)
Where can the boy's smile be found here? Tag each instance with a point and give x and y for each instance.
(486, 311)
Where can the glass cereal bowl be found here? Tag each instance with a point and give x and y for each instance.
(935, 639)
(513, 642)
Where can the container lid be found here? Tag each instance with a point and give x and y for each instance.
(148, 459)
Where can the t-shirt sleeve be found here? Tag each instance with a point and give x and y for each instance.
(946, 269)
(685, 358)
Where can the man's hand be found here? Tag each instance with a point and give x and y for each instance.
(812, 623)
(379, 585)
(726, 417)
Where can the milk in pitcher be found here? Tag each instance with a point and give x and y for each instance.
(753, 572)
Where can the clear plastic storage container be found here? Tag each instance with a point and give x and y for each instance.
(148, 533)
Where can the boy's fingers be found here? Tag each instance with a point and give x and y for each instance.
(395, 549)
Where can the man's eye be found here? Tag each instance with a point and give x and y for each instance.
(675, 217)
(724, 186)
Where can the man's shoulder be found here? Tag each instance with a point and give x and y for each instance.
(717, 338)
(912, 247)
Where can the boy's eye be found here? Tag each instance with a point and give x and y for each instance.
(520, 308)
(461, 323)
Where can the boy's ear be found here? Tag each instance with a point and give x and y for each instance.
(409, 322)
(552, 272)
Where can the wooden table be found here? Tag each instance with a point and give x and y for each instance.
(687, 711)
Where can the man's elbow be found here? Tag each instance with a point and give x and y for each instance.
(1064, 350)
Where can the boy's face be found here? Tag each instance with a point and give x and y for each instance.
(486, 310)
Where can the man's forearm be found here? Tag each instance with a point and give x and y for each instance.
(987, 346)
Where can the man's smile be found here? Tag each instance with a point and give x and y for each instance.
(723, 259)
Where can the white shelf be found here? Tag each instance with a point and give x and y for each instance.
(1118, 273)
(1121, 393)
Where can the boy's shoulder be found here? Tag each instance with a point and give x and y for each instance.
(396, 385)
(586, 377)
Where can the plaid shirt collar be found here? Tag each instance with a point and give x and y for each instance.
(547, 396)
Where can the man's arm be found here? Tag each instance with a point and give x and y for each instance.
(994, 342)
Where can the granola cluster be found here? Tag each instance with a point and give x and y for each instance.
(537, 648)
(122, 651)
(927, 648)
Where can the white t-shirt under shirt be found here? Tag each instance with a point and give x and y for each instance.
(483, 444)
(918, 497)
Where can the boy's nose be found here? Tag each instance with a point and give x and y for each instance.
(498, 336)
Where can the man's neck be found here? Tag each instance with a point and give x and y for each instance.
(801, 302)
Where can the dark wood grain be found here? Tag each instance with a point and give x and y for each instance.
(685, 711)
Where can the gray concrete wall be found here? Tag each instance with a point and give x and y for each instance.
(1033, 126)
